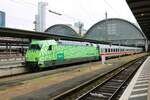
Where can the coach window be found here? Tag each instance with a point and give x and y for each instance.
(50, 47)
(105, 49)
(108, 50)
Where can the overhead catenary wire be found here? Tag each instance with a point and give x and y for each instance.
(116, 12)
(86, 11)
(63, 15)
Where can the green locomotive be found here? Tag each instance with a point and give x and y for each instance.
(48, 53)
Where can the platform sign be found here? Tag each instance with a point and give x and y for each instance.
(2, 19)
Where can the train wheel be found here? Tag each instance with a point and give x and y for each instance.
(35, 68)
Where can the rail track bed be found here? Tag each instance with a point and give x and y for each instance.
(48, 84)
(107, 87)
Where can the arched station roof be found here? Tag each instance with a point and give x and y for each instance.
(63, 30)
(115, 30)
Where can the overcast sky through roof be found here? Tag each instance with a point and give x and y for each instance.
(21, 13)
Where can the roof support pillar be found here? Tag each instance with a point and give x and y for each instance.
(146, 45)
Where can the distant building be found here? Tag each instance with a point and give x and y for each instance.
(40, 18)
(78, 26)
(2, 19)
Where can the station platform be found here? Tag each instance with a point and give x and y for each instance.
(139, 87)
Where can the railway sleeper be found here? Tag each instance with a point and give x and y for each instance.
(100, 95)
(92, 98)
(117, 80)
(120, 77)
(114, 83)
(107, 94)
(107, 90)
(104, 90)
(97, 96)
(108, 87)
(111, 86)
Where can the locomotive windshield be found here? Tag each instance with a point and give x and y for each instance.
(35, 47)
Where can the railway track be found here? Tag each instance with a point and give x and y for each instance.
(107, 87)
(9, 80)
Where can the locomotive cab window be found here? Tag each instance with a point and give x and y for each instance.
(50, 47)
(35, 47)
